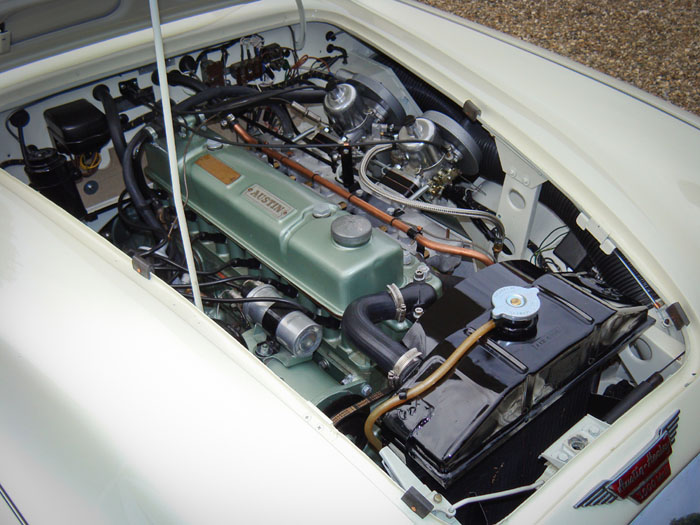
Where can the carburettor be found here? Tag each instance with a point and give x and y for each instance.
(359, 103)
(443, 151)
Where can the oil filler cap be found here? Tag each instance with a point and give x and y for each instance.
(351, 231)
(515, 303)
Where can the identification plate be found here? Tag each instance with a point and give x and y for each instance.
(220, 170)
(643, 475)
(272, 204)
(641, 471)
(652, 483)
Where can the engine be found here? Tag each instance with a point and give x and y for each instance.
(346, 228)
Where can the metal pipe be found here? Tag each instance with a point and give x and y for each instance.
(172, 154)
(372, 210)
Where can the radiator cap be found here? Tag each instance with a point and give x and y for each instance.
(515, 303)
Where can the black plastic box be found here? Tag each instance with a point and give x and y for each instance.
(77, 128)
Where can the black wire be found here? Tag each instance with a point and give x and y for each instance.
(9, 130)
(294, 45)
(239, 300)
(272, 132)
(216, 282)
(154, 248)
(232, 262)
(129, 222)
(211, 49)
(11, 162)
(254, 99)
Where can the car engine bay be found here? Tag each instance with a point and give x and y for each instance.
(361, 234)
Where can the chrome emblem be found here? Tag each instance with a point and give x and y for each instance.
(643, 475)
(272, 204)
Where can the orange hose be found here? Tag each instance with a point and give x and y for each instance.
(372, 210)
(428, 383)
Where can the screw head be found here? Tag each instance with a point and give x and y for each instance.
(366, 390)
(421, 272)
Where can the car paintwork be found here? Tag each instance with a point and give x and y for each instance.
(620, 156)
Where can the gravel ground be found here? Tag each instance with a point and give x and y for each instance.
(652, 44)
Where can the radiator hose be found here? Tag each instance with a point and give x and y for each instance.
(114, 124)
(427, 383)
(131, 182)
(175, 78)
(360, 318)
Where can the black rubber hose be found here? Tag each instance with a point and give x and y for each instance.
(612, 270)
(214, 93)
(358, 325)
(631, 399)
(257, 98)
(429, 99)
(114, 123)
(130, 224)
(131, 182)
(490, 166)
(307, 96)
(175, 78)
(238, 91)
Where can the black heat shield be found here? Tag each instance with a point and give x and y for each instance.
(502, 385)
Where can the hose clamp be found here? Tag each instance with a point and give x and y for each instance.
(152, 132)
(230, 119)
(402, 364)
(397, 297)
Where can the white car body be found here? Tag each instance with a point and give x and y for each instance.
(188, 426)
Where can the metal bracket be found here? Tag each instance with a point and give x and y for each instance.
(142, 266)
(397, 297)
(5, 41)
(574, 441)
(417, 502)
(584, 222)
(400, 473)
(519, 197)
(677, 315)
(135, 95)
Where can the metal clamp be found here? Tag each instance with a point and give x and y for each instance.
(152, 132)
(397, 297)
(401, 364)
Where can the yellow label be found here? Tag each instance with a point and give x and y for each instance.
(220, 170)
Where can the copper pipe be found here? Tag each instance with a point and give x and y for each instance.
(356, 201)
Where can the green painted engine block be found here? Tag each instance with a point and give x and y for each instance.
(283, 223)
